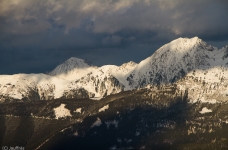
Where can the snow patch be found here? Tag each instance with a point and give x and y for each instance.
(61, 111)
(113, 147)
(96, 98)
(79, 110)
(104, 108)
(205, 110)
(210, 101)
(97, 123)
(137, 133)
(75, 133)
(108, 123)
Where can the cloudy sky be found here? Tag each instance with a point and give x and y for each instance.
(37, 35)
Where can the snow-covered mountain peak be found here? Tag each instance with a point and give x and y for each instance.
(72, 69)
(129, 65)
(187, 42)
(120, 72)
(183, 47)
(194, 39)
(174, 60)
(190, 40)
(179, 60)
(183, 44)
(77, 62)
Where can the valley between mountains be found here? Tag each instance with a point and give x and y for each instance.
(175, 99)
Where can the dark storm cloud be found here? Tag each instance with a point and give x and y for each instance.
(37, 35)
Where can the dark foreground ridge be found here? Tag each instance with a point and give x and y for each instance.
(137, 119)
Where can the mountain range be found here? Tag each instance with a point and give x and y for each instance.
(190, 64)
(175, 99)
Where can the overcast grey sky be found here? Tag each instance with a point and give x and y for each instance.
(37, 35)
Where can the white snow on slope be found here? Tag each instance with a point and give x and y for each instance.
(97, 123)
(78, 110)
(210, 101)
(20, 84)
(98, 83)
(62, 112)
(120, 72)
(172, 61)
(75, 68)
(104, 108)
(114, 122)
(206, 85)
(205, 110)
(72, 69)
(168, 64)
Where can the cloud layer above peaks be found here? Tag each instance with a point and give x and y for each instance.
(34, 28)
